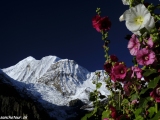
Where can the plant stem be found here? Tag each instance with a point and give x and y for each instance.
(156, 107)
(119, 99)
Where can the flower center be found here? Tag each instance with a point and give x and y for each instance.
(146, 58)
(121, 71)
(158, 91)
(139, 20)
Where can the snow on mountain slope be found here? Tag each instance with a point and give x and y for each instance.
(54, 80)
(30, 69)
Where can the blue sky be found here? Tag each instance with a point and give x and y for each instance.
(61, 28)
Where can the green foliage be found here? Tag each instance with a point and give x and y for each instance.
(143, 90)
(137, 112)
(105, 114)
(134, 96)
(157, 116)
(125, 102)
(102, 96)
(98, 85)
(88, 115)
(139, 117)
(151, 111)
(149, 72)
(143, 102)
(153, 83)
(92, 96)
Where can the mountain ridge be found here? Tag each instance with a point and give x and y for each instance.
(55, 80)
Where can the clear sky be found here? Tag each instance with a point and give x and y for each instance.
(62, 28)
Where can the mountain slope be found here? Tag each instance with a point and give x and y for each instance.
(54, 82)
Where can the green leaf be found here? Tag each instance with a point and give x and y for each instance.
(92, 96)
(137, 112)
(134, 97)
(143, 90)
(95, 110)
(151, 111)
(125, 102)
(98, 85)
(139, 118)
(102, 96)
(157, 116)
(88, 115)
(105, 114)
(149, 72)
(153, 83)
(143, 102)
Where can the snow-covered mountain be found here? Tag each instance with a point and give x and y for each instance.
(54, 82)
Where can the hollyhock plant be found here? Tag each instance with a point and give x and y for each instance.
(137, 18)
(156, 93)
(113, 112)
(150, 43)
(145, 57)
(114, 58)
(127, 88)
(107, 67)
(134, 102)
(105, 24)
(133, 45)
(95, 22)
(101, 23)
(123, 117)
(136, 71)
(105, 119)
(118, 72)
(125, 2)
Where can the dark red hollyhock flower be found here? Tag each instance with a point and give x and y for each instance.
(113, 112)
(156, 93)
(105, 24)
(122, 117)
(107, 67)
(114, 58)
(101, 23)
(118, 72)
(127, 88)
(95, 22)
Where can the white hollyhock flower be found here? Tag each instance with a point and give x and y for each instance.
(137, 18)
(121, 18)
(125, 2)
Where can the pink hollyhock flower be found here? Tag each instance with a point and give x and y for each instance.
(150, 43)
(134, 102)
(113, 112)
(114, 58)
(107, 67)
(136, 70)
(133, 45)
(101, 23)
(145, 57)
(156, 93)
(118, 72)
(105, 119)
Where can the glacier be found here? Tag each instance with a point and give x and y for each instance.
(53, 82)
